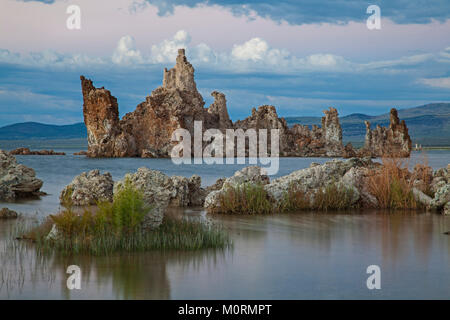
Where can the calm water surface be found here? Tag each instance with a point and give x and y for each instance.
(285, 256)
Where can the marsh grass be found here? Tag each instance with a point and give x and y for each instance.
(172, 234)
(334, 197)
(330, 197)
(246, 198)
(253, 199)
(117, 226)
(392, 185)
(294, 199)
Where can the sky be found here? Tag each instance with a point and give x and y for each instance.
(300, 56)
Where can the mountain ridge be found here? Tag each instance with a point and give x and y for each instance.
(428, 125)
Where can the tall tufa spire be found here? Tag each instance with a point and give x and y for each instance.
(181, 76)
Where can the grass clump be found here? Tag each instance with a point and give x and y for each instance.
(294, 199)
(250, 198)
(392, 185)
(334, 196)
(330, 197)
(246, 198)
(118, 226)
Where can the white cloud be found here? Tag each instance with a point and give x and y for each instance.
(437, 82)
(403, 61)
(167, 50)
(50, 58)
(204, 54)
(255, 49)
(126, 53)
(250, 56)
(322, 60)
(444, 56)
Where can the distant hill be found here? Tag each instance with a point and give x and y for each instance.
(36, 130)
(428, 125)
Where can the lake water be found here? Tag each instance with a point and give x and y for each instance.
(284, 256)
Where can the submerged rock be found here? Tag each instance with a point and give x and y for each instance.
(88, 188)
(27, 151)
(54, 234)
(17, 180)
(6, 213)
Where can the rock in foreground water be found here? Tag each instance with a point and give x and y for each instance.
(161, 191)
(88, 188)
(6, 213)
(16, 180)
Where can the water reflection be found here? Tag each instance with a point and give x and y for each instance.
(286, 256)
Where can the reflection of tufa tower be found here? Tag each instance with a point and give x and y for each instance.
(181, 76)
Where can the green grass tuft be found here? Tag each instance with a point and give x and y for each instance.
(246, 198)
(117, 226)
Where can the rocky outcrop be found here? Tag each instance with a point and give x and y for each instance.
(161, 191)
(6, 213)
(147, 131)
(88, 188)
(27, 152)
(332, 133)
(325, 141)
(392, 141)
(348, 173)
(216, 115)
(17, 180)
(437, 183)
(253, 174)
(101, 116)
(353, 175)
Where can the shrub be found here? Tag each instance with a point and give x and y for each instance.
(246, 198)
(125, 213)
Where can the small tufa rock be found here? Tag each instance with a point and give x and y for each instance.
(446, 210)
(392, 141)
(16, 180)
(6, 213)
(53, 234)
(27, 152)
(88, 188)
(252, 174)
(161, 191)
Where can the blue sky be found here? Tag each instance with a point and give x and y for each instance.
(301, 56)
